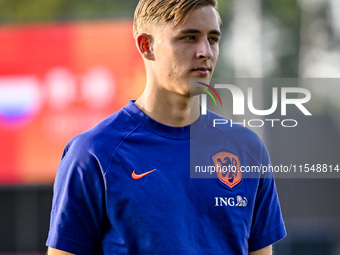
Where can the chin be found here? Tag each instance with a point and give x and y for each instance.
(194, 91)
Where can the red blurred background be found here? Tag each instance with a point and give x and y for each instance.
(56, 81)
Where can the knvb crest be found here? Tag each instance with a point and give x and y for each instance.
(228, 168)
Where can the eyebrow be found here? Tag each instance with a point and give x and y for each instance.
(196, 31)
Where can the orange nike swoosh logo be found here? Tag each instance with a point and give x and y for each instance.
(138, 176)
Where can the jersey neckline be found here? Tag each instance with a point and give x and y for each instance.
(158, 128)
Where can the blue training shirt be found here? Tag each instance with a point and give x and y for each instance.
(124, 187)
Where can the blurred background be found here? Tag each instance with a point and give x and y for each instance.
(66, 65)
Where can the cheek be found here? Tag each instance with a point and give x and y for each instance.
(216, 52)
(172, 62)
(182, 59)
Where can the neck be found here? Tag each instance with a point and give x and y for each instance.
(169, 108)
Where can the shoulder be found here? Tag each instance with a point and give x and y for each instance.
(99, 142)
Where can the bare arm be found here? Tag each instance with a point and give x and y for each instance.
(52, 251)
(265, 251)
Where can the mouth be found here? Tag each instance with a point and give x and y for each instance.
(202, 71)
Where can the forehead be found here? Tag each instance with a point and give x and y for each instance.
(203, 18)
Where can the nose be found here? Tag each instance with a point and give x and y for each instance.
(204, 50)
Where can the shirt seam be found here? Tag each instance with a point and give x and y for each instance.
(258, 239)
(67, 241)
(116, 147)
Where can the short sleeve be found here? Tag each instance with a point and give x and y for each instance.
(267, 225)
(78, 207)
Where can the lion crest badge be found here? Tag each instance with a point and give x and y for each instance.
(228, 168)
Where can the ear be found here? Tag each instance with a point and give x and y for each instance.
(144, 45)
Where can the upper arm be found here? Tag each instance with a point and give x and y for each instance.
(264, 251)
(52, 251)
(78, 209)
(267, 223)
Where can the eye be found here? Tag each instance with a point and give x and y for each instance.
(189, 38)
(214, 40)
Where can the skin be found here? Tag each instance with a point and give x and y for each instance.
(173, 56)
(265, 251)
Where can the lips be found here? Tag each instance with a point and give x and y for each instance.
(202, 70)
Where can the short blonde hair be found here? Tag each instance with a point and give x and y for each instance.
(151, 12)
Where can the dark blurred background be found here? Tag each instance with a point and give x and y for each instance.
(66, 65)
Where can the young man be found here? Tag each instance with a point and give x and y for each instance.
(124, 187)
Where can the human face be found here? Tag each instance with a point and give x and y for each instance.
(188, 50)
